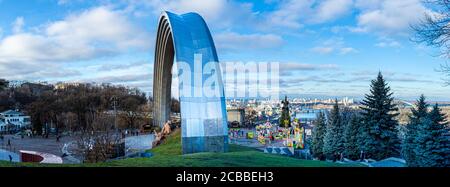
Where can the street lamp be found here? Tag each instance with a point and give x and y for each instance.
(114, 103)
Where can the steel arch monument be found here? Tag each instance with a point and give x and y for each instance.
(187, 39)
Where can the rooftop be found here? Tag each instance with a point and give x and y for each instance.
(11, 112)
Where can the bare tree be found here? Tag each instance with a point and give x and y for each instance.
(434, 30)
(131, 111)
(99, 143)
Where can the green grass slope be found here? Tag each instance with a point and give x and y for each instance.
(169, 154)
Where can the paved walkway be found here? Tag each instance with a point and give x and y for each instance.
(389, 162)
(138, 143)
(37, 143)
(4, 155)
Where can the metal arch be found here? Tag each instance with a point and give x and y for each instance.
(203, 119)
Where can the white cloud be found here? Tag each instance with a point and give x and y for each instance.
(63, 2)
(99, 24)
(332, 9)
(388, 44)
(125, 66)
(293, 14)
(368, 4)
(92, 33)
(121, 79)
(388, 16)
(236, 41)
(44, 53)
(18, 24)
(296, 66)
(289, 14)
(323, 50)
(221, 13)
(346, 50)
(67, 2)
(378, 16)
(385, 42)
(333, 45)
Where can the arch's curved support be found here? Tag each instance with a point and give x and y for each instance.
(203, 118)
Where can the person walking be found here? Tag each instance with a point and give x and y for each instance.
(10, 158)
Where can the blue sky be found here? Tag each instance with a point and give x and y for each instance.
(330, 47)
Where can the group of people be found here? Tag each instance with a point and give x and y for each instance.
(234, 134)
(269, 133)
(130, 133)
(290, 137)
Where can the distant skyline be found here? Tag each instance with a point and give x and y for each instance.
(327, 48)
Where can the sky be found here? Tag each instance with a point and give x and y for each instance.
(328, 48)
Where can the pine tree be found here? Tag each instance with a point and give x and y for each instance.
(380, 136)
(351, 137)
(432, 147)
(334, 140)
(409, 144)
(318, 135)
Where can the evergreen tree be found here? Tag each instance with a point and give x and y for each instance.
(334, 140)
(341, 122)
(3, 84)
(318, 135)
(409, 144)
(351, 141)
(432, 146)
(380, 136)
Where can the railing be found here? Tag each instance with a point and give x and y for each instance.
(10, 148)
(8, 153)
(38, 157)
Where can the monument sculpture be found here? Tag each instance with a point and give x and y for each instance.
(285, 119)
(187, 39)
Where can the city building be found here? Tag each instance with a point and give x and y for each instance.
(11, 120)
(235, 116)
(63, 85)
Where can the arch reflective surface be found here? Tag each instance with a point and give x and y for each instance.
(187, 39)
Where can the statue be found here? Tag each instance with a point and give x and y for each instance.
(160, 136)
(285, 103)
(157, 140)
(285, 119)
(166, 128)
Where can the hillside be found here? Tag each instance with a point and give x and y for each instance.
(169, 154)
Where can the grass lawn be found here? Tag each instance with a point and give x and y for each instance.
(169, 154)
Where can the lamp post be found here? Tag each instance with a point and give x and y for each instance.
(114, 103)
